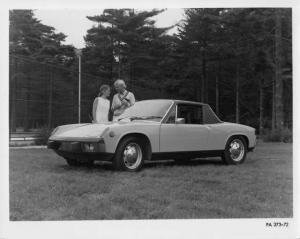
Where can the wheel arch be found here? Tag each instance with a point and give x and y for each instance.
(245, 137)
(145, 139)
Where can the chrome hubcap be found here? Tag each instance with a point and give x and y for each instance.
(237, 150)
(132, 155)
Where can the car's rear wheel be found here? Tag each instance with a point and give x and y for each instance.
(235, 151)
(76, 163)
(130, 154)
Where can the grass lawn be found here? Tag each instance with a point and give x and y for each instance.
(44, 187)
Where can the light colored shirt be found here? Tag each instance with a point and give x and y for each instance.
(121, 102)
(100, 110)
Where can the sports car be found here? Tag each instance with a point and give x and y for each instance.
(151, 130)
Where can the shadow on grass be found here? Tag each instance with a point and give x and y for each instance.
(107, 166)
(98, 166)
(193, 162)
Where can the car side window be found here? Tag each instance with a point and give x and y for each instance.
(192, 114)
(171, 116)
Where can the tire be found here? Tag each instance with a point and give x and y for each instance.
(130, 154)
(235, 151)
(77, 163)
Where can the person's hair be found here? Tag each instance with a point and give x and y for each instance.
(120, 82)
(102, 89)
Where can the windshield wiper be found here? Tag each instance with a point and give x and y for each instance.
(140, 118)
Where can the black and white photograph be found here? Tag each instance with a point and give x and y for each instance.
(123, 117)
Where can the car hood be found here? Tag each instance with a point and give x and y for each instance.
(88, 132)
(82, 132)
(240, 126)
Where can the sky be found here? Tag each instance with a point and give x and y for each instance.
(74, 24)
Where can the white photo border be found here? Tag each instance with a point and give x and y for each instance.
(195, 228)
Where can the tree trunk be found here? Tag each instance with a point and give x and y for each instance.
(50, 101)
(112, 62)
(202, 89)
(237, 96)
(73, 100)
(112, 55)
(261, 106)
(119, 56)
(197, 90)
(278, 72)
(217, 94)
(27, 116)
(204, 94)
(13, 97)
(273, 103)
(130, 82)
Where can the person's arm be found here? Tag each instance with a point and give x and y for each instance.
(95, 104)
(131, 99)
(114, 105)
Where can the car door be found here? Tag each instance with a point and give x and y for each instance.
(190, 135)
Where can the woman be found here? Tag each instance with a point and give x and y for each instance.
(101, 105)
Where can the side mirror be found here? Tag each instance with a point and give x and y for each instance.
(180, 121)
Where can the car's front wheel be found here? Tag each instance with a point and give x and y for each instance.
(235, 151)
(129, 155)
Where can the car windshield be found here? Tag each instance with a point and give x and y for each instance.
(147, 110)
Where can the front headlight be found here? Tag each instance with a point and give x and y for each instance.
(88, 147)
(93, 147)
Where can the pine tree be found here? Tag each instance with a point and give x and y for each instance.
(125, 37)
(29, 37)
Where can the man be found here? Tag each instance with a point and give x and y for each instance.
(122, 100)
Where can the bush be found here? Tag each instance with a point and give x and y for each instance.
(43, 135)
(277, 135)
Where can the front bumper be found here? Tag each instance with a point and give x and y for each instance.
(80, 150)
